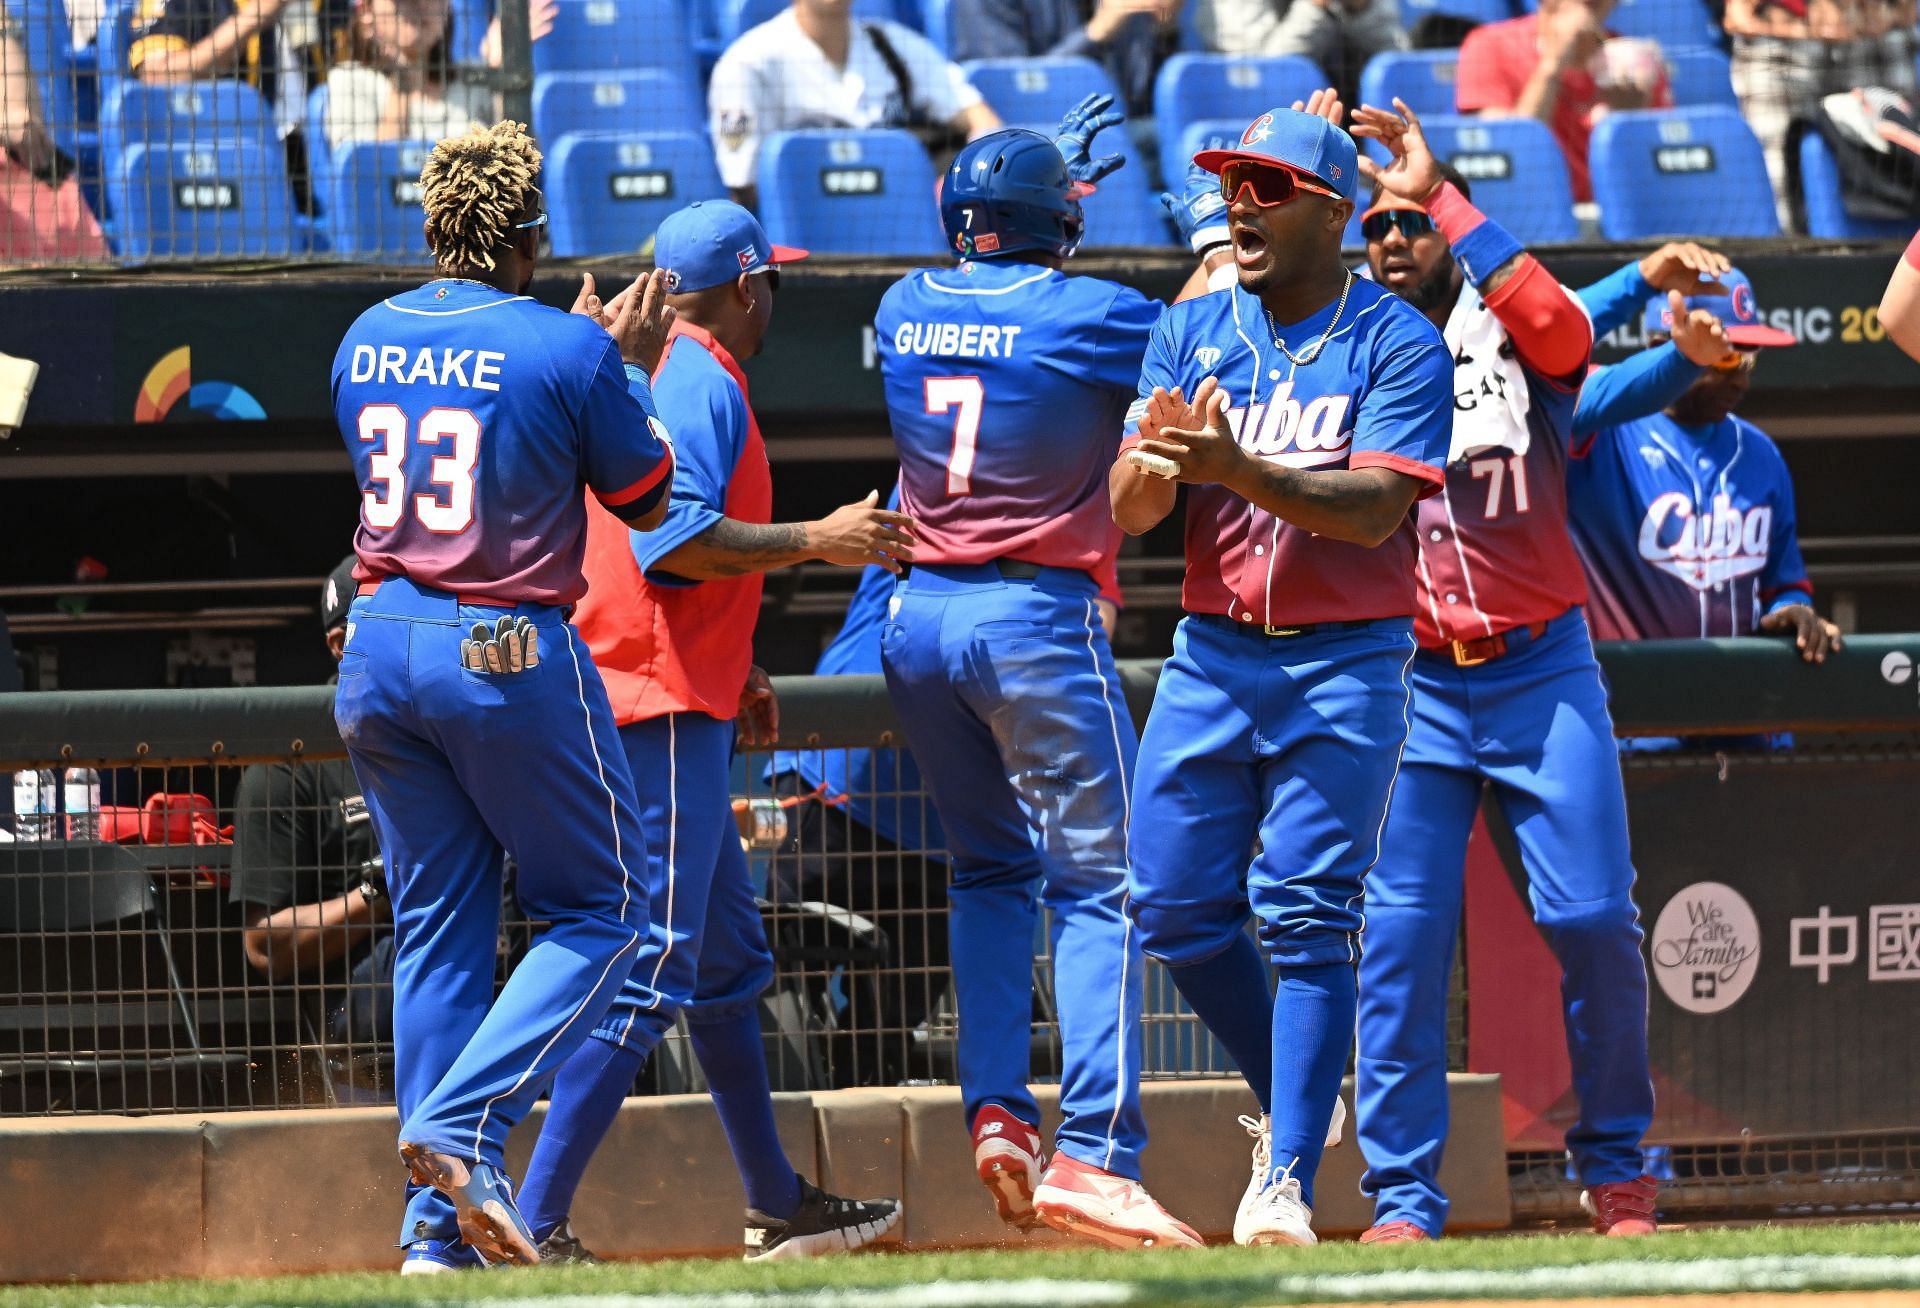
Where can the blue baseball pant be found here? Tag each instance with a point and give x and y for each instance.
(1534, 725)
(457, 767)
(1293, 742)
(714, 962)
(1009, 697)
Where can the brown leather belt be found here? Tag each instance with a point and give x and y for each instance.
(1472, 653)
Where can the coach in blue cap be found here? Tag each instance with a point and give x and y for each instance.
(669, 622)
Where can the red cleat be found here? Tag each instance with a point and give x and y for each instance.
(1006, 1154)
(1622, 1207)
(1081, 1199)
(1395, 1233)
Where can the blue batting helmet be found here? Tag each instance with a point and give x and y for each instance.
(1010, 191)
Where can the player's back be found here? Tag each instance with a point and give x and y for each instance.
(465, 411)
(1006, 383)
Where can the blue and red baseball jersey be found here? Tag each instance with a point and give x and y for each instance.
(1006, 383)
(1685, 531)
(1378, 395)
(664, 643)
(446, 397)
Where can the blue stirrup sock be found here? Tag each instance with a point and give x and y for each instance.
(1313, 1014)
(1229, 993)
(586, 1098)
(732, 1055)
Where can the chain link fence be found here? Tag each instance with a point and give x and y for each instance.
(156, 131)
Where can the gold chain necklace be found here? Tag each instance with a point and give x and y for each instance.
(1313, 352)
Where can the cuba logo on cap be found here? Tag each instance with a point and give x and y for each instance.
(746, 257)
(1258, 130)
(1743, 306)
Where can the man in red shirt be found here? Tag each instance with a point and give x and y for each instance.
(669, 621)
(1562, 66)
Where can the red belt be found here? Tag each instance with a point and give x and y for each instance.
(1472, 653)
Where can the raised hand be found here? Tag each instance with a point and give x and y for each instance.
(1199, 211)
(1324, 103)
(856, 534)
(587, 304)
(1699, 335)
(641, 319)
(1074, 140)
(1687, 268)
(1414, 173)
(1205, 452)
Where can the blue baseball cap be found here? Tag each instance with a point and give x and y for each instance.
(1304, 142)
(1736, 310)
(711, 242)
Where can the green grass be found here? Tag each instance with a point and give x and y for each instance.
(1884, 1255)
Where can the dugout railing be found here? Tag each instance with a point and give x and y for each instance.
(1776, 887)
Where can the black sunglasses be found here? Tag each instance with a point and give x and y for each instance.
(772, 274)
(1411, 222)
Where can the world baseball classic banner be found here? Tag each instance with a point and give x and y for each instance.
(1781, 906)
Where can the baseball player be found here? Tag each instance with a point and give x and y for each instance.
(669, 617)
(1506, 693)
(476, 419)
(1685, 519)
(1307, 410)
(1005, 380)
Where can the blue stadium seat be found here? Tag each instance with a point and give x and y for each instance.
(1680, 172)
(184, 113)
(1699, 77)
(1826, 215)
(1478, 11)
(1518, 174)
(607, 194)
(1423, 78)
(1675, 24)
(736, 16)
(1124, 208)
(320, 168)
(373, 204)
(936, 22)
(467, 29)
(218, 199)
(849, 192)
(1193, 87)
(644, 100)
(1040, 90)
(595, 35)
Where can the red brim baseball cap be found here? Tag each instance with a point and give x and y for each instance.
(1737, 311)
(1305, 143)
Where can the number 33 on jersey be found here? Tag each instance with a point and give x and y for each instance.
(466, 483)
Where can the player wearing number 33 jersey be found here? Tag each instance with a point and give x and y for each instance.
(476, 419)
(1005, 382)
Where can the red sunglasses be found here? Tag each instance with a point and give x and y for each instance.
(1271, 184)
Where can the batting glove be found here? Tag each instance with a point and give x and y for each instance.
(1075, 138)
(1199, 211)
(510, 645)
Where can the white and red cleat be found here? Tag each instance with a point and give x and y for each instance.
(1006, 1154)
(1081, 1199)
(1396, 1232)
(1622, 1208)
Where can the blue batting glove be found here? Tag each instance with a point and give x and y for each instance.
(1199, 211)
(1074, 140)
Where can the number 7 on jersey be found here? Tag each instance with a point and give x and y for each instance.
(965, 395)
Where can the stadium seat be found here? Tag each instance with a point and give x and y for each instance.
(1518, 175)
(1699, 77)
(596, 35)
(1826, 215)
(1675, 24)
(373, 202)
(1478, 11)
(1680, 172)
(936, 22)
(645, 100)
(607, 194)
(1423, 78)
(1124, 208)
(467, 29)
(1035, 91)
(736, 16)
(66, 102)
(319, 152)
(1193, 87)
(849, 192)
(183, 113)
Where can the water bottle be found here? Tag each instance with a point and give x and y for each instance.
(762, 822)
(35, 804)
(82, 792)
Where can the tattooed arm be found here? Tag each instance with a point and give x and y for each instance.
(853, 534)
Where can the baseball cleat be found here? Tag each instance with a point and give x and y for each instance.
(1262, 1132)
(1006, 1154)
(1622, 1208)
(1399, 1232)
(435, 1257)
(482, 1197)
(822, 1224)
(563, 1246)
(1278, 1216)
(1081, 1199)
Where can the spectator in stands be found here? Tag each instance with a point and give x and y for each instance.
(1685, 519)
(813, 66)
(1338, 35)
(1128, 37)
(42, 213)
(1562, 66)
(306, 871)
(1787, 54)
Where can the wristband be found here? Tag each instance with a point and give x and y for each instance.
(1787, 599)
(1481, 245)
